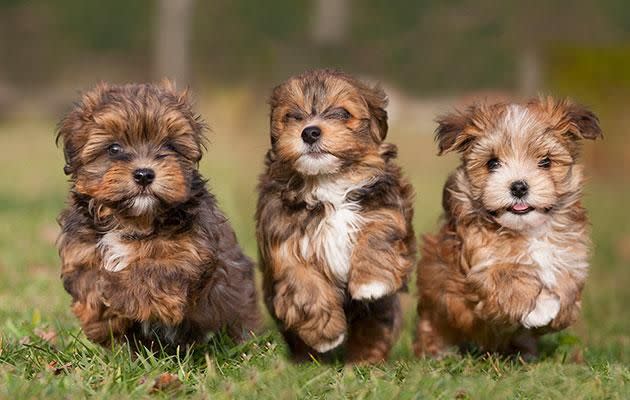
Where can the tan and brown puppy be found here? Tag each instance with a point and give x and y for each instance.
(510, 260)
(146, 254)
(334, 218)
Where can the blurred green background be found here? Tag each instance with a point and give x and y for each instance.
(431, 56)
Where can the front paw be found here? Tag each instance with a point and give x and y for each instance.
(545, 310)
(143, 302)
(369, 291)
(328, 345)
(320, 324)
(506, 294)
(324, 332)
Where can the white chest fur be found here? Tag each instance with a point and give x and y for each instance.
(331, 242)
(553, 253)
(548, 251)
(115, 252)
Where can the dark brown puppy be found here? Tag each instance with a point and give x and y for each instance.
(146, 254)
(334, 218)
(510, 260)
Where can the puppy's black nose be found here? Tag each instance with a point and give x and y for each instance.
(519, 189)
(311, 134)
(144, 176)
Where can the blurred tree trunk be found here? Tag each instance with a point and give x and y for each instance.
(331, 20)
(529, 70)
(172, 40)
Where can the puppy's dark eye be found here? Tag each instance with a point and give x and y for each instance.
(165, 150)
(493, 164)
(340, 113)
(545, 163)
(114, 149)
(293, 116)
(169, 147)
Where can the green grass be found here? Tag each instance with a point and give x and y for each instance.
(588, 361)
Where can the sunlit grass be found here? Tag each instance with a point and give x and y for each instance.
(589, 361)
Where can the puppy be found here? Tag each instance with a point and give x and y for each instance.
(334, 218)
(145, 252)
(510, 260)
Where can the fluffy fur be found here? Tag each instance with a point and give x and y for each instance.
(153, 262)
(505, 266)
(334, 219)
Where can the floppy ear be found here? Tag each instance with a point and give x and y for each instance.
(71, 129)
(377, 102)
(184, 101)
(67, 134)
(182, 97)
(584, 124)
(452, 133)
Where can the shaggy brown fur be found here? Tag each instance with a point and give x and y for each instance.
(334, 218)
(506, 266)
(145, 252)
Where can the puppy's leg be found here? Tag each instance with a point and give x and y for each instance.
(310, 306)
(80, 278)
(559, 307)
(300, 351)
(430, 341)
(525, 344)
(373, 330)
(162, 294)
(556, 309)
(91, 312)
(545, 310)
(381, 259)
(229, 300)
(98, 323)
(445, 306)
(79, 264)
(569, 291)
(507, 292)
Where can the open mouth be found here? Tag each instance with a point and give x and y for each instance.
(520, 208)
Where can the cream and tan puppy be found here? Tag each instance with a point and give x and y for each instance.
(511, 257)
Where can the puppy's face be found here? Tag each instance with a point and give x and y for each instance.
(521, 159)
(324, 121)
(133, 148)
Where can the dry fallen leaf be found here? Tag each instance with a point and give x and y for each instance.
(461, 394)
(49, 335)
(56, 368)
(166, 381)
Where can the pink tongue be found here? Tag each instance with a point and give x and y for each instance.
(520, 207)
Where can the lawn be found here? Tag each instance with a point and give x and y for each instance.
(43, 353)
